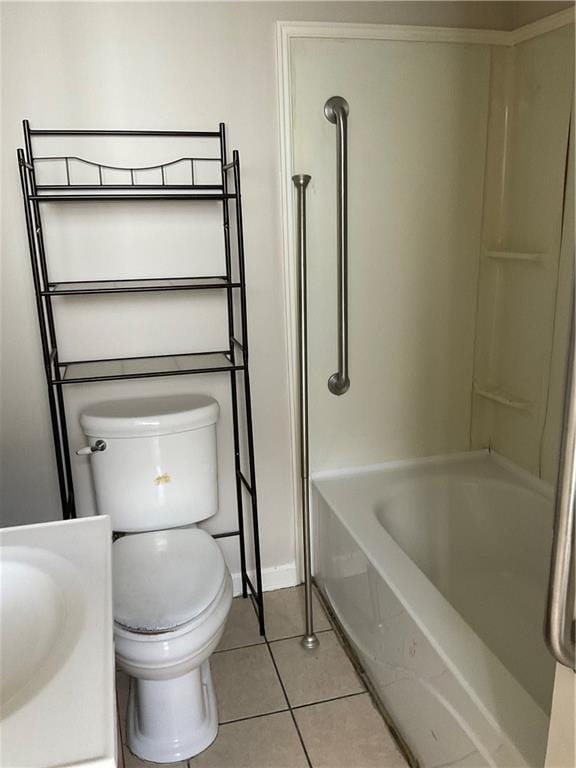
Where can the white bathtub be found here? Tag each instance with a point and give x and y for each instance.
(437, 571)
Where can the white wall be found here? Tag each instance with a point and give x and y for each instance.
(525, 13)
(161, 65)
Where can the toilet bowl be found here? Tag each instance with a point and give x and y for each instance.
(167, 625)
(154, 471)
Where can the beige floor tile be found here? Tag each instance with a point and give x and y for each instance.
(347, 733)
(311, 676)
(241, 626)
(284, 613)
(246, 683)
(131, 761)
(264, 742)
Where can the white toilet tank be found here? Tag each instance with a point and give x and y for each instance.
(158, 468)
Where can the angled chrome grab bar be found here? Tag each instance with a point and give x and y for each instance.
(559, 622)
(301, 181)
(336, 111)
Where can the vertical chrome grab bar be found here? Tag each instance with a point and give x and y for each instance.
(301, 181)
(336, 111)
(559, 626)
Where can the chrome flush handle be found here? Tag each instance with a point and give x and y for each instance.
(99, 445)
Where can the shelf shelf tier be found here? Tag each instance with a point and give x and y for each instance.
(142, 285)
(519, 257)
(232, 361)
(120, 369)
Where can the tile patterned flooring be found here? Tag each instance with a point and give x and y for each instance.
(281, 706)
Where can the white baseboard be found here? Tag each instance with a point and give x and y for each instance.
(277, 577)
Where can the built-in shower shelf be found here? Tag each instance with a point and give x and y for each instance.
(501, 397)
(529, 257)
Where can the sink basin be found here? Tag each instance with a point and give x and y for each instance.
(42, 614)
(56, 646)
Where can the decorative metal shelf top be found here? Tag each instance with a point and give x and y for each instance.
(72, 163)
(71, 132)
(115, 198)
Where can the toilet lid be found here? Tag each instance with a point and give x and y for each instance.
(164, 579)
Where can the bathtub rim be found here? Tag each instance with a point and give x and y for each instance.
(541, 487)
(449, 634)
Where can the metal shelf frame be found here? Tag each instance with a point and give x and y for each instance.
(232, 361)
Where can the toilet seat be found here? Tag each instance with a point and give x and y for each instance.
(163, 580)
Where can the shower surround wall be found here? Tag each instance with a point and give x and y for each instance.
(457, 313)
(524, 286)
(417, 146)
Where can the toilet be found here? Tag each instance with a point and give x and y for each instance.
(154, 469)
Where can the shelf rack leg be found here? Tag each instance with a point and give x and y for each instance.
(240, 505)
(54, 402)
(63, 454)
(232, 351)
(247, 395)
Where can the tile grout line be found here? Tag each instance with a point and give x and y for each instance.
(239, 647)
(306, 755)
(297, 706)
(294, 637)
(254, 717)
(333, 698)
(268, 640)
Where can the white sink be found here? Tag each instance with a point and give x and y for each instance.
(42, 614)
(56, 650)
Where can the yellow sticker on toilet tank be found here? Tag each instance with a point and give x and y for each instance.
(163, 479)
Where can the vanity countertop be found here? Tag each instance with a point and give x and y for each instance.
(57, 704)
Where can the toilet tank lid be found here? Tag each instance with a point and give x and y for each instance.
(146, 416)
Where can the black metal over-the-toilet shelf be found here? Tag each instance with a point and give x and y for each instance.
(232, 360)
